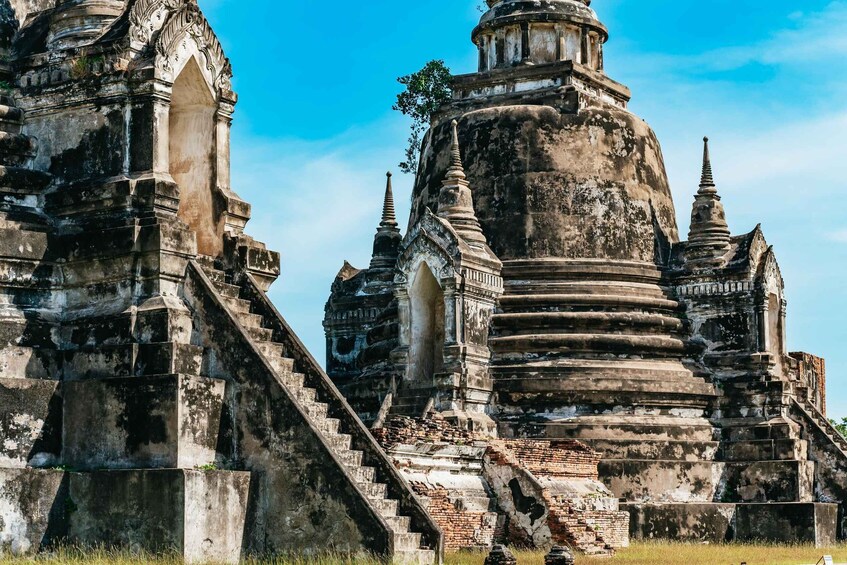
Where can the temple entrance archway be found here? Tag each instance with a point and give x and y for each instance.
(426, 352)
(192, 156)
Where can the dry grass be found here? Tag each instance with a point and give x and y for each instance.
(685, 554)
(638, 554)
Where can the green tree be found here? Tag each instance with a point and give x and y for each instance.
(840, 426)
(426, 90)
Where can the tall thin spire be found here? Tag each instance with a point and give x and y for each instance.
(389, 219)
(455, 202)
(709, 237)
(388, 238)
(457, 169)
(707, 179)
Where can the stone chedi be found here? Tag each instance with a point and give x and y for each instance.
(579, 314)
(152, 397)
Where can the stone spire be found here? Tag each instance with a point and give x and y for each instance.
(387, 239)
(389, 218)
(708, 239)
(455, 201)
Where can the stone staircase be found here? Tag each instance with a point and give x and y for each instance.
(825, 425)
(327, 416)
(411, 402)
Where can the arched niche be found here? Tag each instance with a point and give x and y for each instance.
(426, 347)
(192, 156)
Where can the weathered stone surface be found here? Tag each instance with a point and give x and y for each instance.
(114, 180)
(668, 357)
(32, 509)
(790, 522)
(30, 423)
(162, 510)
(142, 422)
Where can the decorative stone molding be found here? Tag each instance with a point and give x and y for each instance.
(715, 288)
(187, 33)
(146, 17)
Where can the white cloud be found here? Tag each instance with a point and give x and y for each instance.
(813, 147)
(839, 236)
(813, 37)
(318, 204)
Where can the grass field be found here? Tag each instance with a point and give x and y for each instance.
(638, 554)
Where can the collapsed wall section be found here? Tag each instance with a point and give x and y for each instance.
(522, 492)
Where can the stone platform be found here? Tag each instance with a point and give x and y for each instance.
(790, 522)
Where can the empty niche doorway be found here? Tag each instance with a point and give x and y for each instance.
(192, 149)
(426, 351)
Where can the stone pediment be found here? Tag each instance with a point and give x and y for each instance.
(768, 274)
(434, 241)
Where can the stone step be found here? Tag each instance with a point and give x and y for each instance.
(374, 490)
(250, 320)
(764, 450)
(228, 290)
(615, 368)
(645, 448)
(215, 275)
(589, 343)
(270, 349)
(293, 380)
(594, 384)
(363, 475)
(316, 410)
(512, 302)
(237, 305)
(329, 425)
(398, 524)
(260, 334)
(339, 442)
(413, 557)
(736, 430)
(281, 364)
(407, 541)
(578, 322)
(601, 289)
(630, 427)
(305, 394)
(351, 457)
(386, 506)
(406, 402)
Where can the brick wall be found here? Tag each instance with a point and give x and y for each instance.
(409, 431)
(555, 459)
(811, 371)
(463, 529)
(586, 529)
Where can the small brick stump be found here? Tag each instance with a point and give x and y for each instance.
(500, 555)
(559, 555)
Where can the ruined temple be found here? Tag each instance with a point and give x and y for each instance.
(542, 300)
(151, 396)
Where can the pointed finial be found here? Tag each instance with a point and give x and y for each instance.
(456, 170)
(707, 179)
(709, 236)
(389, 219)
(387, 238)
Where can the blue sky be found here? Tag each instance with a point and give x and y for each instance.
(314, 131)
